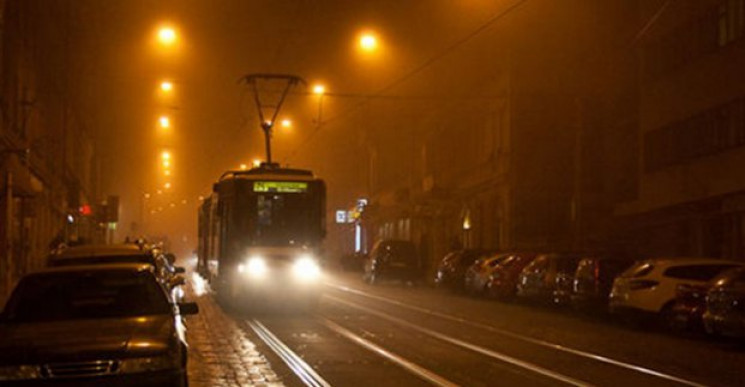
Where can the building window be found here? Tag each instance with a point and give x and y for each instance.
(709, 132)
(713, 29)
(731, 21)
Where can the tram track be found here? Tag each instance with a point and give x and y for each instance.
(310, 377)
(370, 322)
(605, 360)
(299, 367)
(486, 352)
(387, 352)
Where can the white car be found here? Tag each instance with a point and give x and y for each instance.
(650, 285)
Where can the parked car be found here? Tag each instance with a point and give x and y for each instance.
(593, 281)
(452, 268)
(548, 278)
(392, 259)
(502, 281)
(97, 254)
(648, 287)
(687, 311)
(93, 325)
(725, 305)
(477, 275)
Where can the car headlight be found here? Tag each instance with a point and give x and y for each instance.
(148, 364)
(306, 269)
(19, 372)
(255, 267)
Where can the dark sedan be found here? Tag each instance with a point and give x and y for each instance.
(725, 305)
(93, 325)
(393, 260)
(503, 280)
(452, 269)
(593, 281)
(548, 278)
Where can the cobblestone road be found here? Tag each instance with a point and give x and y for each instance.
(220, 352)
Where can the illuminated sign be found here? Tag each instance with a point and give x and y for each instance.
(280, 186)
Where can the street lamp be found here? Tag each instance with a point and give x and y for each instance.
(319, 90)
(166, 155)
(166, 86)
(256, 163)
(286, 123)
(166, 36)
(368, 42)
(165, 122)
(244, 167)
(167, 185)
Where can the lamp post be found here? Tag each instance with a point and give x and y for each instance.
(319, 90)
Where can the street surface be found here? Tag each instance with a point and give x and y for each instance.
(396, 335)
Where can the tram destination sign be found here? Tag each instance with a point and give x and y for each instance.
(280, 186)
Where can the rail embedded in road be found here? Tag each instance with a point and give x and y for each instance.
(528, 339)
(303, 371)
(475, 348)
(406, 364)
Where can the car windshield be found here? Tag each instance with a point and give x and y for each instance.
(86, 295)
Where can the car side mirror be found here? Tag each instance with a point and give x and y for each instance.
(176, 281)
(188, 308)
(179, 270)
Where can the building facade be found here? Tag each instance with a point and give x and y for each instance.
(48, 165)
(691, 198)
(536, 152)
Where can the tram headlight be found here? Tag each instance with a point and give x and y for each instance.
(306, 269)
(255, 267)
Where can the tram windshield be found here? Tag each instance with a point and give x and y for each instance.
(275, 213)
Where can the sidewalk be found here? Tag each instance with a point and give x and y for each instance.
(220, 353)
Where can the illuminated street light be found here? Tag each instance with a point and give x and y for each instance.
(166, 163)
(147, 196)
(165, 122)
(166, 86)
(244, 167)
(159, 192)
(165, 155)
(167, 172)
(319, 90)
(167, 185)
(167, 36)
(286, 123)
(368, 42)
(257, 163)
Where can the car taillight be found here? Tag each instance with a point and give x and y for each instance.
(642, 284)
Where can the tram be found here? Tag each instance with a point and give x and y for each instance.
(260, 235)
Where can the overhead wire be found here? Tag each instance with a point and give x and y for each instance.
(416, 70)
